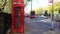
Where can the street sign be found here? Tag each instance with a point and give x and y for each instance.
(50, 1)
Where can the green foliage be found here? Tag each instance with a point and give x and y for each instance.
(0, 5)
(46, 13)
(29, 0)
(56, 7)
(39, 11)
(8, 7)
(49, 8)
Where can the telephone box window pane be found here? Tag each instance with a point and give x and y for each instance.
(17, 17)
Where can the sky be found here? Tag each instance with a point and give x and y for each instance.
(36, 4)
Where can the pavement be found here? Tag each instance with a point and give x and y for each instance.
(52, 32)
(40, 26)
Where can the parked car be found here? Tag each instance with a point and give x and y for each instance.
(55, 17)
(26, 15)
(45, 17)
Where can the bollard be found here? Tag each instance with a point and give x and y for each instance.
(58, 23)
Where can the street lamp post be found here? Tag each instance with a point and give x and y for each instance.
(31, 5)
(52, 14)
(52, 10)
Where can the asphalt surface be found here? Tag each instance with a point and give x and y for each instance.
(39, 25)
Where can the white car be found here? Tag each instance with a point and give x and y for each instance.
(42, 16)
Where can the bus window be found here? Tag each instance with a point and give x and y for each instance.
(32, 14)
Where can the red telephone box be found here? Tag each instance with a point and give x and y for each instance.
(17, 16)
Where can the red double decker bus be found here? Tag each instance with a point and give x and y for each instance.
(32, 14)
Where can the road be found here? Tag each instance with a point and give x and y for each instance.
(38, 25)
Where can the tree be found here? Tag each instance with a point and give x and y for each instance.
(56, 7)
(45, 14)
(26, 2)
(39, 11)
(8, 7)
(3, 6)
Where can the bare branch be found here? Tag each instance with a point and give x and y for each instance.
(4, 4)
